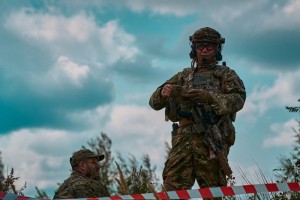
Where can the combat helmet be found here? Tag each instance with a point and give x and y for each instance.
(206, 34)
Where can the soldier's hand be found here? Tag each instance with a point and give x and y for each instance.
(166, 90)
(178, 92)
(198, 96)
(175, 92)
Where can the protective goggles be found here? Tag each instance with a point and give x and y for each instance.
(209, 46)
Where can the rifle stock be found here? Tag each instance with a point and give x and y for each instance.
(224, 163)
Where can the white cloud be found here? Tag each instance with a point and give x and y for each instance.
(67, 69)
(265, 16)
(95, 118)
(80, 27)
(235, 10)
(130, 97)
(216, 11)
(282, 93)
(280, 17)
(269, 15)
(139, 130)
(177, 8)
(293, 7)
(283, 134)
(117, 42)
(76, 36)
(50, 28)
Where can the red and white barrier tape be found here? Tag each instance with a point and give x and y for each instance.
(195, 193)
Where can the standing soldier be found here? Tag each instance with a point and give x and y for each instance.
(84, 181)
(203, 99)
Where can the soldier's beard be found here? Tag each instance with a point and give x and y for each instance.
(92, 172)
(206, 60)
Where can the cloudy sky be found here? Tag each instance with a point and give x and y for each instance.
(72, 69)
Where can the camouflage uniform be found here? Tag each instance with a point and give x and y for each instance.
(190, 157)
(78, 185)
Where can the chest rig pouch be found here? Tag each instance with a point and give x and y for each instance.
(206, 81)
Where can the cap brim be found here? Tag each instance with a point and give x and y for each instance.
(101, 157)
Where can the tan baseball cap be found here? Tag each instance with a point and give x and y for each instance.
(83, 154)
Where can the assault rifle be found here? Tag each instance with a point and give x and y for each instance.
(205, 120)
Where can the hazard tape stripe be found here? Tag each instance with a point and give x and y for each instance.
(218, 191)
(189, 194)
(11, 196)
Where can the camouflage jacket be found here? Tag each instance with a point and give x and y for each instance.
(79, 186)
(227, 91)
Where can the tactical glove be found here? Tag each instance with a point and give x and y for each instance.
(198, 96)
(177, 93)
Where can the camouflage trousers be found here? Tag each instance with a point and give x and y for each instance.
(188, 160)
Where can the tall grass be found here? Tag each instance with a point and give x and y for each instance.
(8, 184)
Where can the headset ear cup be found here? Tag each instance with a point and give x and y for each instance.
(218, 56)
(193, 51)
